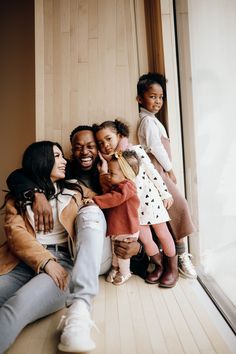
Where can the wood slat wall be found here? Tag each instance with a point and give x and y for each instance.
(87, 64)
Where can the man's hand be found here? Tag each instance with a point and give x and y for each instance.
(58, 274)
(125, 250)
(42, 213)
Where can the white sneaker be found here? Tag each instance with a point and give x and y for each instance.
(185, 266)
(75, 336)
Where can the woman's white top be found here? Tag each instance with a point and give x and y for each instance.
(59, 233)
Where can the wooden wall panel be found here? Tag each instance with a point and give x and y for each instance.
(87, 64)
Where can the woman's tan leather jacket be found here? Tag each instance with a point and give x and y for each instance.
(21, 243)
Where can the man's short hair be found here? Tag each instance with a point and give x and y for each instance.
(79, 129)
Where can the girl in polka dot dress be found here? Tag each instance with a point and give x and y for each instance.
(154, 197)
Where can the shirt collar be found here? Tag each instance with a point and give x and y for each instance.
(144, 112)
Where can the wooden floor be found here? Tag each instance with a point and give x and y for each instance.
(143, 319)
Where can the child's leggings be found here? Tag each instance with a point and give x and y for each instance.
(164, 236)
(122, 264)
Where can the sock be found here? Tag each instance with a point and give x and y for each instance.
(180, 248)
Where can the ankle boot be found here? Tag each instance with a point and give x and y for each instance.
(170, 274)
(153, 277)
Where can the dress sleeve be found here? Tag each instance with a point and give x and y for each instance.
(152, 173)
(116, 197)
(152, 138)
(21, 242)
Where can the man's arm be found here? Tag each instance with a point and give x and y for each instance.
(23, 189)
(19, 184)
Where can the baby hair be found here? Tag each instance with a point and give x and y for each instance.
(146, 80)
(117, 126)
(132, 158)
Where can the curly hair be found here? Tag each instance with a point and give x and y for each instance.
(115, 125)
(146, 80)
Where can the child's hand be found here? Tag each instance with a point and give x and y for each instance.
(106, 157)
(168, 202)
(172, 176)
(102, 165)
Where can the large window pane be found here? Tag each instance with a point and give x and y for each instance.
(212, 28)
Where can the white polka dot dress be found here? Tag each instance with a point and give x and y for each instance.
(151, 191)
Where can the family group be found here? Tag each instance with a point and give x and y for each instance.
(114, 209)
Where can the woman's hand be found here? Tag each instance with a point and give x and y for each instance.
(172, 176)
(42, 213)
(58, 274)
(168, 202)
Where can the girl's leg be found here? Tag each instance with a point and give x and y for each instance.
(124, 266)
(165, 238)
(119, 264)
(145, 237)
(114, 266)
(115, 263)
(170, 273)
(124, 272)
(152, 250)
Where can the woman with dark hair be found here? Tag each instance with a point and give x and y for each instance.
(37, 270)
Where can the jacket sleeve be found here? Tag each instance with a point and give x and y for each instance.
(116, 197)
(21, 242)
(105, 183)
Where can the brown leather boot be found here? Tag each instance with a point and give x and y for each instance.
(153, 277)
(170, 274)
